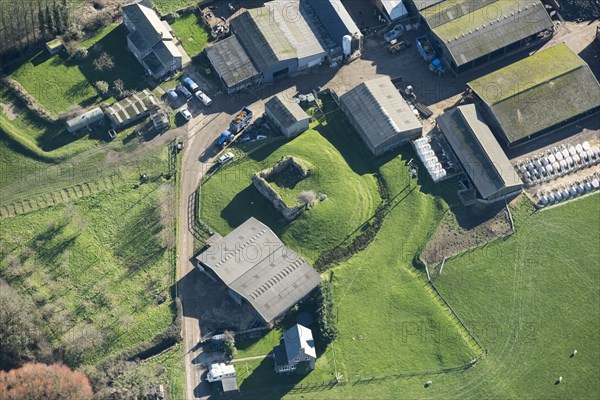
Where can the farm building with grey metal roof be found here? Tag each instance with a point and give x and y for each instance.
(287, 115)
(277, 44)
(380, 115)
(131, 108)
(232, 64)
(335, 19)
(423, 4)
(258, 268)
(85, 120)
(470, 34)
(480, 155)
(538, 94)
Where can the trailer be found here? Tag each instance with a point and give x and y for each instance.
(237, 125)
(425, 48)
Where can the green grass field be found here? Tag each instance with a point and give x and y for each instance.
(96, 267)
(58, 82)
(388, 321)
(168, 6)
(193, 36)
(343, 173)
(168, 366)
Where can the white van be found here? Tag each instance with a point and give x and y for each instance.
(200, 95)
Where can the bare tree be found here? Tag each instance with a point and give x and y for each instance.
(104, 62)
(119, 88)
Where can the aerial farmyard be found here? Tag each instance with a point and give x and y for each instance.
(324, 199)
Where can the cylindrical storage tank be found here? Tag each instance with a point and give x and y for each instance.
(577, 159)
(565, 193)
(596, 151)
(556, 166)
(572, 150)
(537, 163)
(590, 155)
(573, 191)
(595, 183)
(579, 148)
(558, 155)
(347, 45)
(543, 200)
(544, 161)
(565, 153)
(558, 196)
(563, 165)
(585, 145)
(580, 188)
(551, 197)
(587, 186)
(569, 161)
(551, 158)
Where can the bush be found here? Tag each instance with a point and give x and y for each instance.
(81, 53)
(101, 87)
(229, 343)
(326, 317)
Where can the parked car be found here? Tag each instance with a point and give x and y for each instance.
(184, 92)
(185, 114)
(172, 95)
(200, 95)
(190, 84)
(225, 158)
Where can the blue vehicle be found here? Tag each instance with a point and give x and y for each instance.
(187, 81)
(437, 67)
(172, 95)
(237, 125)
(425, 48)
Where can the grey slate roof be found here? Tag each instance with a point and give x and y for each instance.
(231, 61)
(539, 92)
(285, 111)
(380, 110)
(147, 22)
(295, 339)
(253, 262)
(466, 29)
(478, 150)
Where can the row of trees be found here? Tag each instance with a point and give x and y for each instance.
(26, 23)
(328, 329)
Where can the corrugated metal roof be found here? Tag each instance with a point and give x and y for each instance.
(478, 150)
(231, 61)
(81, 121)
(539, 92)
(472, 31)
(275, 33)
(286, 111)
(335, 18)
(253, 262)
(380, 110)
(423, 4)
(130, 107)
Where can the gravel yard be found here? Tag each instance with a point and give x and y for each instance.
(580, 10)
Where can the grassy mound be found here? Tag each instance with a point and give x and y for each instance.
(343, 173)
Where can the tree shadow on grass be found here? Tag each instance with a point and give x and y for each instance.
(250, 203)
(126, 67)
(40, 58)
